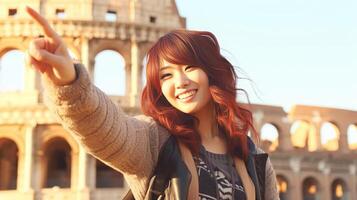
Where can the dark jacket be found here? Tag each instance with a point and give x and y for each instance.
(171, 177)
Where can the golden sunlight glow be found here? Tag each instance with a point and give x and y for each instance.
(282, 186)
(299, 133)
(303, 135)
(312, 189)
(352, 136)
(270, 133)
(329, 136)
(339, 191)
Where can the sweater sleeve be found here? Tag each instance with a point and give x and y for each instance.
(271, 191)
(128, 144)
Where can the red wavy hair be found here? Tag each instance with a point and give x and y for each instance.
(197, 48)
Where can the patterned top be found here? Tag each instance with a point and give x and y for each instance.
(216, 174)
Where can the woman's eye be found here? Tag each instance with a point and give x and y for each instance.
(189, 68)
(164, 76)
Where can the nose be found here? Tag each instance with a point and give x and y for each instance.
(182, 81)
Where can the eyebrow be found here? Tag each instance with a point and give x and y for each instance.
(165, 67)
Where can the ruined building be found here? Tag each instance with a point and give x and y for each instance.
(40, 160)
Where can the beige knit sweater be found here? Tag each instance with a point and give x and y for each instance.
(130, 145)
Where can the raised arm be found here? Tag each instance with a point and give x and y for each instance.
(126, 143)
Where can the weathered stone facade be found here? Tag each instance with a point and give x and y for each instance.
(40, 160)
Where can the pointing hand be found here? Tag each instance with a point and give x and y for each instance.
(49, 54)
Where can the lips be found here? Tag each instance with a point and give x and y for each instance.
(186, 94)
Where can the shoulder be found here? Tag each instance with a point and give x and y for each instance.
(253, 148)
(155, 128)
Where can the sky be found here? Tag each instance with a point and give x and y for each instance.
(286, 52)
(293, 51)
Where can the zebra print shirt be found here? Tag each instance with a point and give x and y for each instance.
(217, 169)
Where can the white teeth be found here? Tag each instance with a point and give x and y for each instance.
(186, 94)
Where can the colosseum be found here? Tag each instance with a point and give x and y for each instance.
(313, 149)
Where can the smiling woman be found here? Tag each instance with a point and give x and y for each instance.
(186, 88)
(192, 143)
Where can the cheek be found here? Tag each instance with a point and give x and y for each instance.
(205, 85)
(167, 90)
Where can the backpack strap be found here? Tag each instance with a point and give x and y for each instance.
(246, 180)
(188, 159)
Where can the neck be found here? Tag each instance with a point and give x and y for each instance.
(207, 126)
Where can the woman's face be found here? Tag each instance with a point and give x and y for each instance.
(185, 87)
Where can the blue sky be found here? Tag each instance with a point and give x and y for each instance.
(295, 52)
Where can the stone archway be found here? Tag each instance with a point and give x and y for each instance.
(352, 136)
(269, 135)
(8, 164)
(57, 162)
(339, 190)
(283, 187)
(330, 135)
(109, 72)
(310, 189)
(12, 71)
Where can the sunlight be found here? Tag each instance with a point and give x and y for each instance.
(109, 72)
(12, 71)
(352, 136)
(329, 136)
(270, 133)
(299, 133)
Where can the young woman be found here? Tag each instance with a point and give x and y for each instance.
(191, 143)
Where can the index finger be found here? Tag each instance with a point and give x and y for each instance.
(49, 32)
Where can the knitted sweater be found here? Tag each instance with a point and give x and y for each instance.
(128, 144)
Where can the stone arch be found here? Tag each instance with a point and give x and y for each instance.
(339, 190)
(269, 135)
(311, 189)
(9, 161)
(6, 46)
(107, 177)
(330, 135)
(49, 135)
(12, 70)
(123, 48)
(56, 163)
(16, 139)
(302, 134)
(352, 136)
(110, 78)
(283, 186)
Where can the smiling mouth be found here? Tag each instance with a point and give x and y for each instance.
(187, 95)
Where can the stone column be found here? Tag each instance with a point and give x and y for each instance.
(134, 56)
(84, 176)
(33, 87)
(127, 78)
(324, 188)
(295, 187)
(343, 139)
(296, 183)
(87, 56)
(284, 138)
(352, 184)
(314, 137)
(27, 172)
